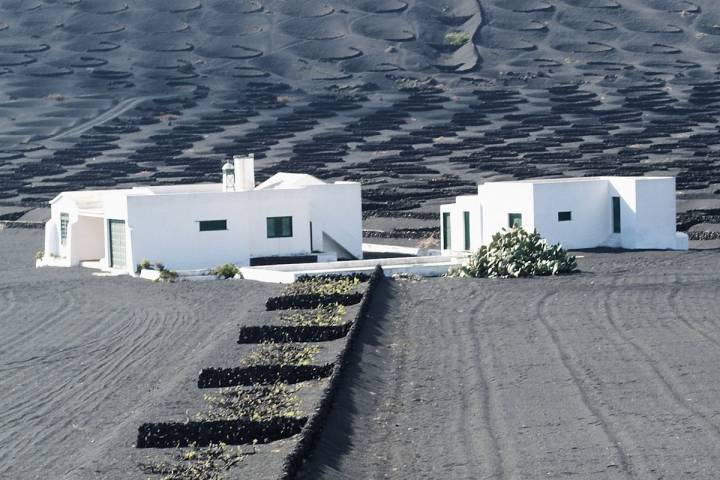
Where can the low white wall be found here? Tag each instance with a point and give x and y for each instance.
(423, 266)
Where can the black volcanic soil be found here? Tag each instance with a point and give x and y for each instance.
(607, 374)
(85, 360)
(109, 93)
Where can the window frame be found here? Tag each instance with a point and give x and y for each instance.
(466, 224)
(275, 234)
(447, 230)
(565, 216)
(512, 217)
(211, 225)
(616, 214)
(64, 224)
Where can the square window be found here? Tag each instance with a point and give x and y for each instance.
(515, 220)
(564, 216)
(212, 225)
(279, 227)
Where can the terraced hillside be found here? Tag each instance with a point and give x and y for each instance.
(418, 98)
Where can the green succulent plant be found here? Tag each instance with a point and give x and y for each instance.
(517, 253)
(228, 270)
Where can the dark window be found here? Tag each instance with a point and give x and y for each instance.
(279, 227)
(64, 220)
(564, 216)
(466, 219)
(616, 214)
(446, 230)
(515, 220)
(212, 225)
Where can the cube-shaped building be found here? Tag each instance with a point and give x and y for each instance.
(585, 212)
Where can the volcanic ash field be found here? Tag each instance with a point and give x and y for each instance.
(419, 99)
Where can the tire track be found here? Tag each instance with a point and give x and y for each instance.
(665, 378)
(622, 457)
(681, 316)
(489, 400)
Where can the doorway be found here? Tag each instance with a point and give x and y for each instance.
(116, 233)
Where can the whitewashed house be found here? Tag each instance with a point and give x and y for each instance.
(202, 226)
(618, 212)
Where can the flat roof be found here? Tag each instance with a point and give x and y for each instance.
(578, 179)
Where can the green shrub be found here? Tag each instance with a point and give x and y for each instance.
(228, 270)
(517, 253)
(168, 275)
(144, 265)
(197, 463)
(39, 255)
(281, 354)
(323, 286)
(457, 39)
(159, 266)
(258, 403)
(323, 316)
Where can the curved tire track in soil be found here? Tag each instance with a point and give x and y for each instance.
(675, 388)
(601, 375)
(390, 389)
(83, 359)
(566, 357)
(489, 400)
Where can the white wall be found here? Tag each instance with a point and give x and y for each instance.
(86, 239)
(502, 198)
(589, 203)
(464, 203)
(337, 211)
(166, 227)
(655, 213)
(63, 205)
(624, 187)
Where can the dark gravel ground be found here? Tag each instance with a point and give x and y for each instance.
(607, 374)
(85, 360)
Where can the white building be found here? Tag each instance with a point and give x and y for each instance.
(619, 212)
(202, 226)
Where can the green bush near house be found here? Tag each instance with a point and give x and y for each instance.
(39, 255)
(517, 253)
(144, 265)
(168, 275)
(457, 39)
(228, 270)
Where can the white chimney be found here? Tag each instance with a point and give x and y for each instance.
(244, 172)
(228, 172)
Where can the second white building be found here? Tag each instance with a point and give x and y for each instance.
(586, 212)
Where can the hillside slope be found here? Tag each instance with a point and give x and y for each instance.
(418, 98)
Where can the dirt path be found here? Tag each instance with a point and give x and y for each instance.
(604, 375)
